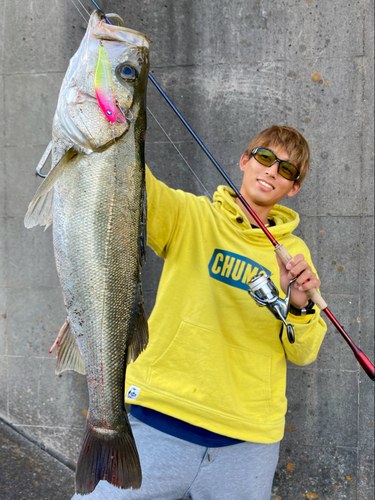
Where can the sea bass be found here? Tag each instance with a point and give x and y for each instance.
(95, 196)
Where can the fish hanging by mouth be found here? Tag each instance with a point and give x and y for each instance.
(95, 196)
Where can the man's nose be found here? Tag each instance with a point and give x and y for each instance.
(273, 169)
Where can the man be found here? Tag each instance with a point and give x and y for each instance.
(208, 393)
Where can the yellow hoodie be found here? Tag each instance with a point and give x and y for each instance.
(215, 358)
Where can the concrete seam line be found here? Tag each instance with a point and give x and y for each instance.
(54, 454)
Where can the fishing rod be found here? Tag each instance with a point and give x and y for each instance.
(280, 250)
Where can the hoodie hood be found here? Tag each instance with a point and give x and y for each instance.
(285, 218)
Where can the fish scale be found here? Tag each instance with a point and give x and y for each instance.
(96, 191)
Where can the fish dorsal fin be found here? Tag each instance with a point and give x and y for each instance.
(68, 355)
(41, 206)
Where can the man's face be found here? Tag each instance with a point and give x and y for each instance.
(264, 186)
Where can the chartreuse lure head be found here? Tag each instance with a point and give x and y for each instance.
(104, 89)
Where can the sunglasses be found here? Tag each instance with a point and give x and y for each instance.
(267, 158)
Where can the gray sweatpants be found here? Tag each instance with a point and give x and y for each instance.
(176, 469)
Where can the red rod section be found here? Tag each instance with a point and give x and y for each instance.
(259, 222)
(361, 357)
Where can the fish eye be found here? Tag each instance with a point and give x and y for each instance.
(126, 73)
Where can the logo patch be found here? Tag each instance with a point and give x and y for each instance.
(233, 269)
(133, 392)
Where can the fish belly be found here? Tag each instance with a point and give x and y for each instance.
(97, 215)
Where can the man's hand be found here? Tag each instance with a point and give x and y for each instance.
(306, 280)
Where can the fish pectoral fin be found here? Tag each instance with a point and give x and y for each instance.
(68, 355)
(41, 213)
(139, 339)
(40, 210)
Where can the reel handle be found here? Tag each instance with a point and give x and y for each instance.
(290, 334)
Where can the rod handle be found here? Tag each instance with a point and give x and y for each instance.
(313, 294)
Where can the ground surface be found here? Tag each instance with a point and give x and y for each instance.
(29, 473)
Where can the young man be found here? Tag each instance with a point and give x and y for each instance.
(208, 393)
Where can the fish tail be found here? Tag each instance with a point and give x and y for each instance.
(107, 455)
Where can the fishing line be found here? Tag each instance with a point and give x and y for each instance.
(84, 8)
(179, 152)
(80, 13)
(281, 251)
(251, 253)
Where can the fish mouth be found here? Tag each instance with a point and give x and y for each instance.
(113, 33)
(103, 31)
(137, 38)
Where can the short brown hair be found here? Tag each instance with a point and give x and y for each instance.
(288, 137)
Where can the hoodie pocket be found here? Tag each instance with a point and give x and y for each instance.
(200, 368)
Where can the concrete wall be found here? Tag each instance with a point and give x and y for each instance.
(232, 68)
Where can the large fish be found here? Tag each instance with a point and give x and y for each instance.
(94, 193)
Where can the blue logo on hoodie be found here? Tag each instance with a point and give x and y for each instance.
(233, 269)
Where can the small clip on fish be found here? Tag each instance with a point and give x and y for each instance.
(104, 90)
(265, 293)
(43, 160)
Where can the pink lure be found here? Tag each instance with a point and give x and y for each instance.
(104, 90)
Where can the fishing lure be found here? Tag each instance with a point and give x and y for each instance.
(104, 90)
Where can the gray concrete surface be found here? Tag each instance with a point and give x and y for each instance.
(232, 68)
(29, 472)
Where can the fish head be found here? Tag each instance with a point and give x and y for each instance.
(128, 54)
(87, 121)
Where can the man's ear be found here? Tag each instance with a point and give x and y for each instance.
(244, 159)
(296, 187)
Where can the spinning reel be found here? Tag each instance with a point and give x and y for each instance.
(265, 293)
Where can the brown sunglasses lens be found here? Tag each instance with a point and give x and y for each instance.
(288, 170)
(265, 157)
